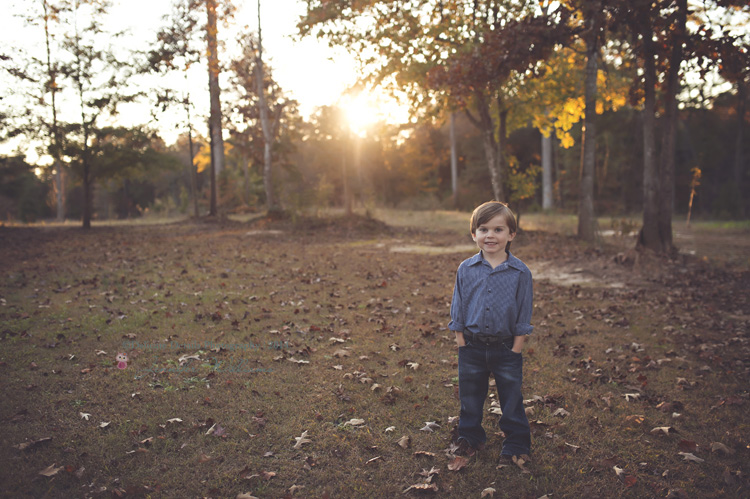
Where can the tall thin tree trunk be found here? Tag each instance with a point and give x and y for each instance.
(454, 161)
(547, 202)
(502, 140)
(193, 180)
(213, 208)
(272, 204)
(587, 226)
(739, 158)
(215, 118)
(345, 179)
(649, 234)
(56, 148)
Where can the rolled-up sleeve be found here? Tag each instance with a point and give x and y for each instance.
(525, 301)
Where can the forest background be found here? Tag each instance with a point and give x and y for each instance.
(496, 91)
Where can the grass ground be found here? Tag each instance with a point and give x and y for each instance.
(290, 360)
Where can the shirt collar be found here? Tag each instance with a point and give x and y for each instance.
(512, 261)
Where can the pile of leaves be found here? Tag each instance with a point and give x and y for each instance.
(264, 363)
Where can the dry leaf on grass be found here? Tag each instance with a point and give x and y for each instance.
(50, 470)
(354, 422)
(430, 426)
(719, 447)
(28, 445)
(663, 430)
(628, 480)
(422, 487)
(302, 440)
(404, 442)
(489, 491)
(689, 456)
(458, 463)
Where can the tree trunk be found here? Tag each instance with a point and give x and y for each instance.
(739, 159)
(213, 209)
(547, 202)
(649, 235)
(587, 226)
(492, 152)
(454, 161)
(666, 176)
(193, 180)
(87, 195)
(56, 148)
(271, 202)
(217, 140)
(345, 179)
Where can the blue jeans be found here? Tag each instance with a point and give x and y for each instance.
(476, 361)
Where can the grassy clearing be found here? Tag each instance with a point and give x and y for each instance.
(240, 340)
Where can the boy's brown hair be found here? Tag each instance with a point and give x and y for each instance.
(489, 210)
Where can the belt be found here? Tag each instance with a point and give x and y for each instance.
(489, 339)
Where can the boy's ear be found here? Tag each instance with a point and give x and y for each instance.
(511, 236)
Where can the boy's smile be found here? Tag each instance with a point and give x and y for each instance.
(492, 238)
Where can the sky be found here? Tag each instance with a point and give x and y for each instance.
(308, 70)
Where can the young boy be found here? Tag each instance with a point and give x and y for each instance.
(491, 316)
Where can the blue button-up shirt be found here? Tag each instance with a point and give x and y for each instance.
(491, 301)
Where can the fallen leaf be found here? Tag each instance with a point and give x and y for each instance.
(354, 422)
(663, 430)
(84, 415)
(430, 473)
(404, 442)
(561, 413)
(50, 470)
(28, 445)
(689, 456)
(520, 461)
(632, 396)
(374, 459)
(457, 463)
(295, 488)
(298, 361)
(687, 446)
(302, 440)
(174, 420)
(719, 447)
(423, 453)
(422, 487)
(390, 429)
(489, 491)
(104, 424)
(246, 495)
(430, 426)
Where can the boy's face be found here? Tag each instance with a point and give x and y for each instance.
(493, 236)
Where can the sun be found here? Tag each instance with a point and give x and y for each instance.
(366, 109)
